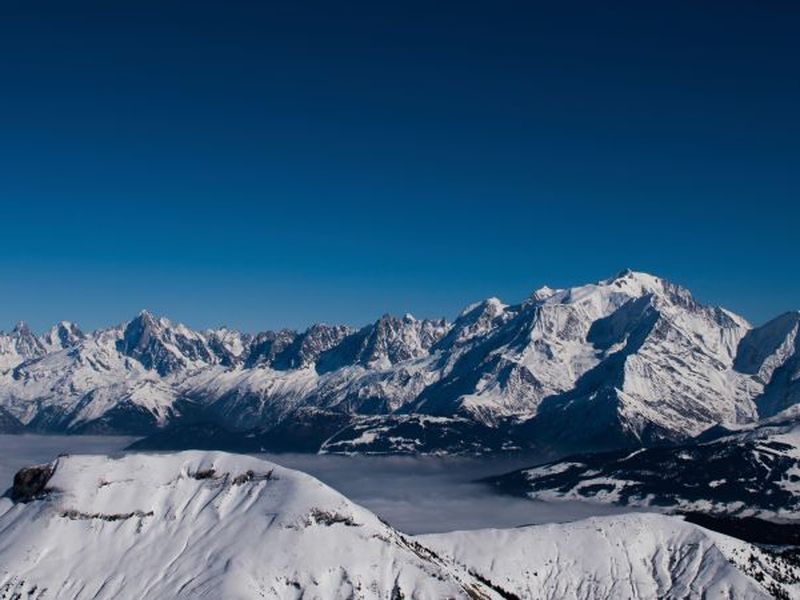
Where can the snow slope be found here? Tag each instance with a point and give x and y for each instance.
(216, 525)
(632, 556)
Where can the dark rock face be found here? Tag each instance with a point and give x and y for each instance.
(417, 434)
(750, 471)
(28, 345)
(758, 347)
(151, 342)
(205, 474)
(267, 345)
(395, 340)
(749, 529)
(9, 423)
(308, 346)
(65, 335)
(251, 476)
(286, 349)
(141, 340)
(30, 483)
(75, 515)
(479, 320)
(760, 343)
(305, 432)
(223, 353)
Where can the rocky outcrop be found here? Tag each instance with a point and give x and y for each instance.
(30, 483)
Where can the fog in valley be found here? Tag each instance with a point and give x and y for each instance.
(414, 494)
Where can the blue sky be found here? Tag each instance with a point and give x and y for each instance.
(263, 164)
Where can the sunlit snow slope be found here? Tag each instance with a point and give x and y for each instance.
(216, 525)
(195, 525)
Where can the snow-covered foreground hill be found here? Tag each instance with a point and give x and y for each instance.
(216, 525)
(630, 360)
(197, 525)
(633, 556)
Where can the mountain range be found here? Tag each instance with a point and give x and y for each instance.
(631, 360)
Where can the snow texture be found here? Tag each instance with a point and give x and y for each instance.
(216, 525)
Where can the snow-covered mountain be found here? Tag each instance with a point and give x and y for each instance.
(643, 556)
(197, 525)
(216, 525)
(629, 360)
(754, 472)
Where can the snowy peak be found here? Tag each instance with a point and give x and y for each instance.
(168, 349)
(162, 347)
(387, 342)
(604, 297)
(142, 339)
(392, 340)
(267, 345)
(771, 355)
(631, 277)
(543, 293)
(474, 321)
(18, 346)
(62, 335)
(26, 344)
(228, 345)
(643, 556)
(287, 350)
(306, 348)
(635, 353)
(764, 347)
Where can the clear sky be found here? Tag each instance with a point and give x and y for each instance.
(265, 164)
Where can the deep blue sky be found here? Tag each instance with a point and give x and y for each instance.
(267, 164)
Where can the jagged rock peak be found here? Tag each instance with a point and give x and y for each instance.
(307, 347)
(162, 347)
(267, 345)
(21, 328)
(63, 334)
(25, 341)
(391, 340)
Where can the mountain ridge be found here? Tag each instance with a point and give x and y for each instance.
(636, 354)
(753, 472)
